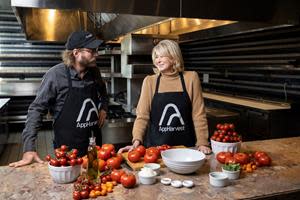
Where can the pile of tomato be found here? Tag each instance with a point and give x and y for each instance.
(108, 163)
(149, 155)
(248, 161)
(64, 157)
(226, 133)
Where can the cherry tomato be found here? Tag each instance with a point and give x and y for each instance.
(134, 156)
(73, 162)
(84, 194)
(76, 195)
(79, 161)
(54, 162)
(48, 157)
(150, 157)
(141, 149)
(128, 180)
(64, 147)
(75, 151)
(63, 162)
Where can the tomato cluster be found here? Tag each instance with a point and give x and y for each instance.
(64, 157)
(226, 133)
(248, 161)
(85, 188)
(149, 155)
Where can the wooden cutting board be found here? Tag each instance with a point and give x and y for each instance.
(138, 165)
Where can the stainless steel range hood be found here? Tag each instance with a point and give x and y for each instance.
(130, 15)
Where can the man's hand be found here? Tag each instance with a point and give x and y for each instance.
(102, 117)
(204, 149)
(28, 158)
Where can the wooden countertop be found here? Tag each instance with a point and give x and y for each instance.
(34, 182)
(246, 102)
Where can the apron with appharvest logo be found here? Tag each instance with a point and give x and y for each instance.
(171, 118)
(78, 118)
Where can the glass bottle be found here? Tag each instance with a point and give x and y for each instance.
(92, 169)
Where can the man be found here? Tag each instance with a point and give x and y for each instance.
(74, 93)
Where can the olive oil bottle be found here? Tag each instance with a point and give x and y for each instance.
(92, 169)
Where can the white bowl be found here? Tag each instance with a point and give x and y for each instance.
(154, 166)
(147, 180)
(66, 174)
(183, 161)
(223, 146)
(232, 175)
(218, 179)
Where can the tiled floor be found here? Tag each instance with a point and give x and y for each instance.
(14, 149)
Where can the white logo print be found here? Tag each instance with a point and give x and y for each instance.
(93, 109)
(176, 114)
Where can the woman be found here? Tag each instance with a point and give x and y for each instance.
(171, 104)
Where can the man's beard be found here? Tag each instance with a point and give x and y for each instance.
(88, 63)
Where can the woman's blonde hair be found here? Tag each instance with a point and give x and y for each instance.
(170, 49)
(68, 58)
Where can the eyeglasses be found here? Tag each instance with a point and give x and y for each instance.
(91, 51)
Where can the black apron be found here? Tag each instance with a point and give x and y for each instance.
(171, 118)
(79, 116)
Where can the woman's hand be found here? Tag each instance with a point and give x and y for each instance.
(204, 149)
(135, 144)
(102, 117)
(28, 158)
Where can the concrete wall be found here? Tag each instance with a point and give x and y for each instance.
(5, 4)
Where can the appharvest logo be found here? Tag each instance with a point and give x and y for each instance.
(93, 109)
(169, 128)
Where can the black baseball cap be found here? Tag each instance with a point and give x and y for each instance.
(82, 39)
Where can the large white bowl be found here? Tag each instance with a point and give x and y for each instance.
(217, 147)
(62, 174)
(183, 161)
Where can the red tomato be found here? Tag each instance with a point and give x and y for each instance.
(264, 160)
(153, 150)
(141, 149)
(113, 162)
(219, 126)
(230, 160)
(104, 154)
(221, 156)
(99, 165)
(231, 126)
(120, 157)
(73, 162)
(134, 156)
(258, 154)
(241, 158)
(108, 147)
(128, 180)
(74, 151)
(150, 157)
(116, 175)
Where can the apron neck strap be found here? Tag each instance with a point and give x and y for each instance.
(181, 79)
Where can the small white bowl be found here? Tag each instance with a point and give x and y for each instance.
(176, 183)
(218, 179)
(62, 174)
(166, 181)
(154, 166)
(147, 180)
(232, 175)
(188, 183)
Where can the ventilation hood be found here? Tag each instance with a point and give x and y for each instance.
(53, 20)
